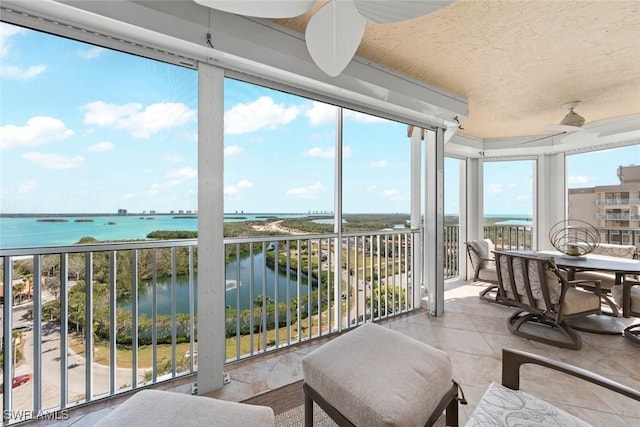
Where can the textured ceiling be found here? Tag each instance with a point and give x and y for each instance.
(517, 62)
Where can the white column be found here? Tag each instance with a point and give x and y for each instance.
(417, 245)
(337, 225)
(434, 221)
(550, 197)
(472, 227)
(211, 278)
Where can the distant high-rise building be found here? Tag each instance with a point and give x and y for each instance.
(122, 212)
(612, 209)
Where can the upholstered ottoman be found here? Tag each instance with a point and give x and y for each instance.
(164, 408)
(373, 376)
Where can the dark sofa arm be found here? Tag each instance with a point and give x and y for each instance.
(513, 359)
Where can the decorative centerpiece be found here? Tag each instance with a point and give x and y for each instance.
(574, 237)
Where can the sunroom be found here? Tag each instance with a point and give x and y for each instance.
(406, 103)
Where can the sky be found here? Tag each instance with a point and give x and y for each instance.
(87, 129)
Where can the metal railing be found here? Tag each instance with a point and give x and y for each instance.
(102, 319)
(617, 202)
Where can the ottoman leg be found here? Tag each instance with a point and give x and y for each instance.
(308, 410)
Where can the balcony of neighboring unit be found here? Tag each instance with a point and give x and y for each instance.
(617, 202)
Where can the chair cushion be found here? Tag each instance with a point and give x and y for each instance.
(611, 249)
(378, 377)
(616, 292)
(607, 280)
(165, 408)
(481, 248)
(501, 406)
(488, 273)
(578, 301)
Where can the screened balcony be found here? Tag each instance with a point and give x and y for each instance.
(336, 289)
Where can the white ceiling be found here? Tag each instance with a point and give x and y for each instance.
(517, 62)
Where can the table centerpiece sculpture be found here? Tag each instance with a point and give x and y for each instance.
(574, 237)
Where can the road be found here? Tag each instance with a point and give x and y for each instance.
(23, 395)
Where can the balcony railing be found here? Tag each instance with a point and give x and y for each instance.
(91, 321)
(617, 202)
(97, 320)
(625, 215)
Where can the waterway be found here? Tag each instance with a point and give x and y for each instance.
(262, 277)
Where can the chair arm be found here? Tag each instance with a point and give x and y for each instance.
(596, 283)
(513, 359)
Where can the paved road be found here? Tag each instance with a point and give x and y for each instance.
(23, 395)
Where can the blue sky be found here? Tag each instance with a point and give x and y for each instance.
(86, 129)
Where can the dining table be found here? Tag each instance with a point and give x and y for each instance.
(597, 323)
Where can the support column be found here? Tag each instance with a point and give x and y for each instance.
(337, 225)
(211, 276)
(472, 226)
(434, 221)
(550, 197)
(417, 243)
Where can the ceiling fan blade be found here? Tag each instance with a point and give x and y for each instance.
(261, 8)
(561, 129)
(333, 35)
(386, 11)
(630, 119)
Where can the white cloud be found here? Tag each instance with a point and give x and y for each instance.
(327, 152)
(232, 149)
(361, 117)
(309, 192)
(233, 189)
(495, 188)
(54, 161)
(173, 158)
(155, 188)
(141, 123)
(90, 53)
(27, 187)
(579, 179)
(101, 146)
(378, 164)
(128, 196)
(18, 73)
(262, 113)
(6, 32)
(39, 130)
(396, 195)
(183, 173)
(321, 114)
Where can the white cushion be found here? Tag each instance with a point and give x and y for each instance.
(378, 377)
(165, 408)
(501, 406)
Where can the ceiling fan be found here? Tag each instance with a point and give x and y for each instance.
(572, 121)
(334, 32)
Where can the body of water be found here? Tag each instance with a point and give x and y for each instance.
(287, 289)
(32, 231)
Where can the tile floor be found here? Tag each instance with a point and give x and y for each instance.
(473, 333)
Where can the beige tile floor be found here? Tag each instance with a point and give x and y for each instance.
(473, 333)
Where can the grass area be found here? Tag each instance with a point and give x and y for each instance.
(124, 355)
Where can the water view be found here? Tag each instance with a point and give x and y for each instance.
(236, 272)
(58, 230)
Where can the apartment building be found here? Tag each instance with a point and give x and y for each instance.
(613, 209)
